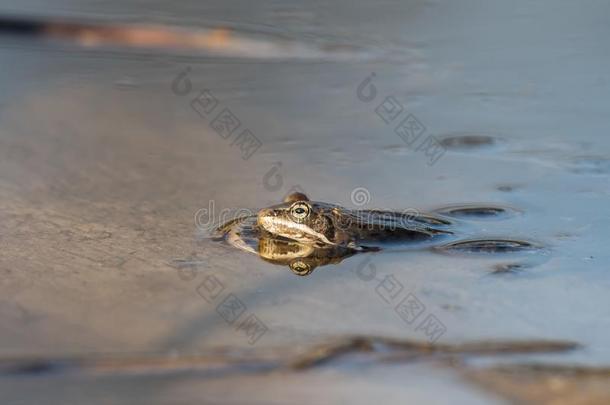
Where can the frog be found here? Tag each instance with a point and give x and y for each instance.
(302, 259)
(324, 224)
(304, 234)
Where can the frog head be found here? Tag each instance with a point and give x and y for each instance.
(299, 219)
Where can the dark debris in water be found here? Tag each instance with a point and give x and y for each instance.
(220, 363)
(396, 350)
(507, 188)
(35, 368)
(211, 365)
(467, 141)
(546, 383)
(508, 268)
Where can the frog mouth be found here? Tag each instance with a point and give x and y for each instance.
(292, 230)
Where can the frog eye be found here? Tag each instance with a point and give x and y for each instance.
(300, 210)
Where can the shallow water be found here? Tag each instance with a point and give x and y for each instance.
(103, 168)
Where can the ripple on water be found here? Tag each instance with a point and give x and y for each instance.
(490, 246)
(478, 211)
(590, 165)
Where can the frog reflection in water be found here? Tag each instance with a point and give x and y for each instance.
(302, 259)
(304, 234)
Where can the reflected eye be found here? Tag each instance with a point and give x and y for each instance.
(300, 210)
(300, 268)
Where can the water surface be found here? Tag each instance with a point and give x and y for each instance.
(103, 168)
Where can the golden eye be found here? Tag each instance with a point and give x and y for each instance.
(300, 210)
(300, 268)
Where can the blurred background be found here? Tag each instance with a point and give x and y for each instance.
(127, 127)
